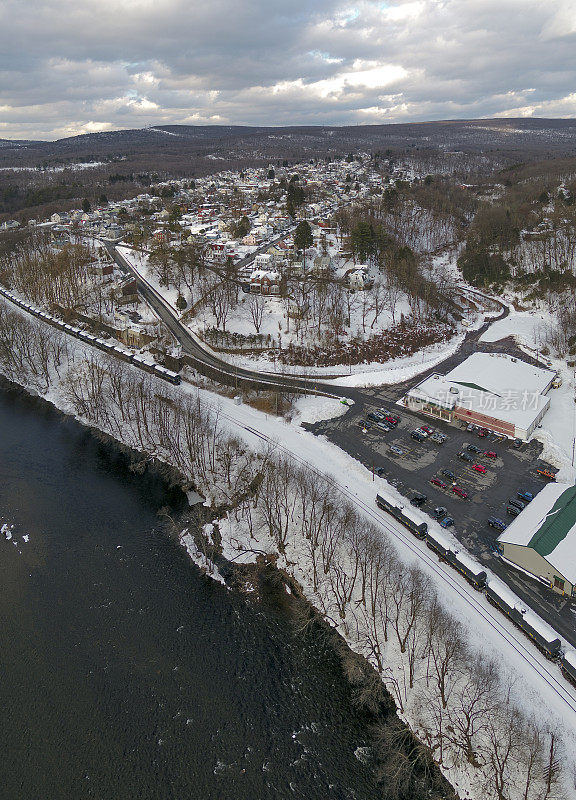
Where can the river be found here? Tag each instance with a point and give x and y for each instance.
(124, 672)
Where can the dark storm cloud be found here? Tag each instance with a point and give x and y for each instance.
(69, 67)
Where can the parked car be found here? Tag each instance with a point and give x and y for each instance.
(490, 454)
(383, 427)
(440, 512)
(418, 436)
(479, 468)
(418, 499)
(389, 414)
(545, 473)
(375, 417)
(483, 432)
(513, 511)
(473, 449)
(447, 522)
(364, 424)
(497, 523)
(465, 456)
(438, 482)
(449, 474)
(470, 427)
(427, 429)
(526, 496)
(517, 504)
(397, 450)
(389, 420)
(518, 443)
(439, 438)
(460, 492)
(380, 471)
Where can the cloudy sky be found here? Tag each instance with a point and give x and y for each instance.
(77, 66)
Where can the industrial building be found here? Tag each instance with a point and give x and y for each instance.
(491, 390)
(541, 541)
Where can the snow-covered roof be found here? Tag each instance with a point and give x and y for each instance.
(498, 373)
(260, 274)
(548, 526)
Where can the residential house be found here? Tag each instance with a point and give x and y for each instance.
(267, 282)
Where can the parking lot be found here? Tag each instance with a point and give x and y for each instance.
(408, 465)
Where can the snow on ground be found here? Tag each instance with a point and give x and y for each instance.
(140, 262)
(525, 326)
(487, 629)
(402, 369)
(310, 409)
(539, 687)
(61, 168)
(187, 541)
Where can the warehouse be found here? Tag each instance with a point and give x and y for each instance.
(491, 390)
(541, 541)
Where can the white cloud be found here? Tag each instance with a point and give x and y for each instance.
(65, 65)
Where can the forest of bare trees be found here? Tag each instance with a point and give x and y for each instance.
(459, 701)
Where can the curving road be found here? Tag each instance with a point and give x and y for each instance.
(207, 362)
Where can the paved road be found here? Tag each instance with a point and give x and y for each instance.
(208, 360)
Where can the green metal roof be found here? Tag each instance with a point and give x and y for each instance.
(557, 525)
(475, 386)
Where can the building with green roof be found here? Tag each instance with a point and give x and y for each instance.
(541, 541)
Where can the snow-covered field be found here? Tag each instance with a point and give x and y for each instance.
(60, 168)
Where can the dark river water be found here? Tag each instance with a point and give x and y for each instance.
(124, 673)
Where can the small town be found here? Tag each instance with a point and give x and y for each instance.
(288, 401)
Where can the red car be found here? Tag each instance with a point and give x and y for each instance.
(490, 454)
(427, 429)
(460, 492)
(391, 420)
(483, 432)
(438, 482)
(479, 468)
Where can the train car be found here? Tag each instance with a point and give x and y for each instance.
(472, 571)
(167, 374)
(407, 517)
(120, 353)
(143, 364)
(435, 541)
(545, 637)
(568, 665)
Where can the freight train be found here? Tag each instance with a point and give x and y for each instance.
(107, 346)
(497, 593)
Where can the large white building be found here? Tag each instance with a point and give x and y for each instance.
(493, 390)
(541, 540)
